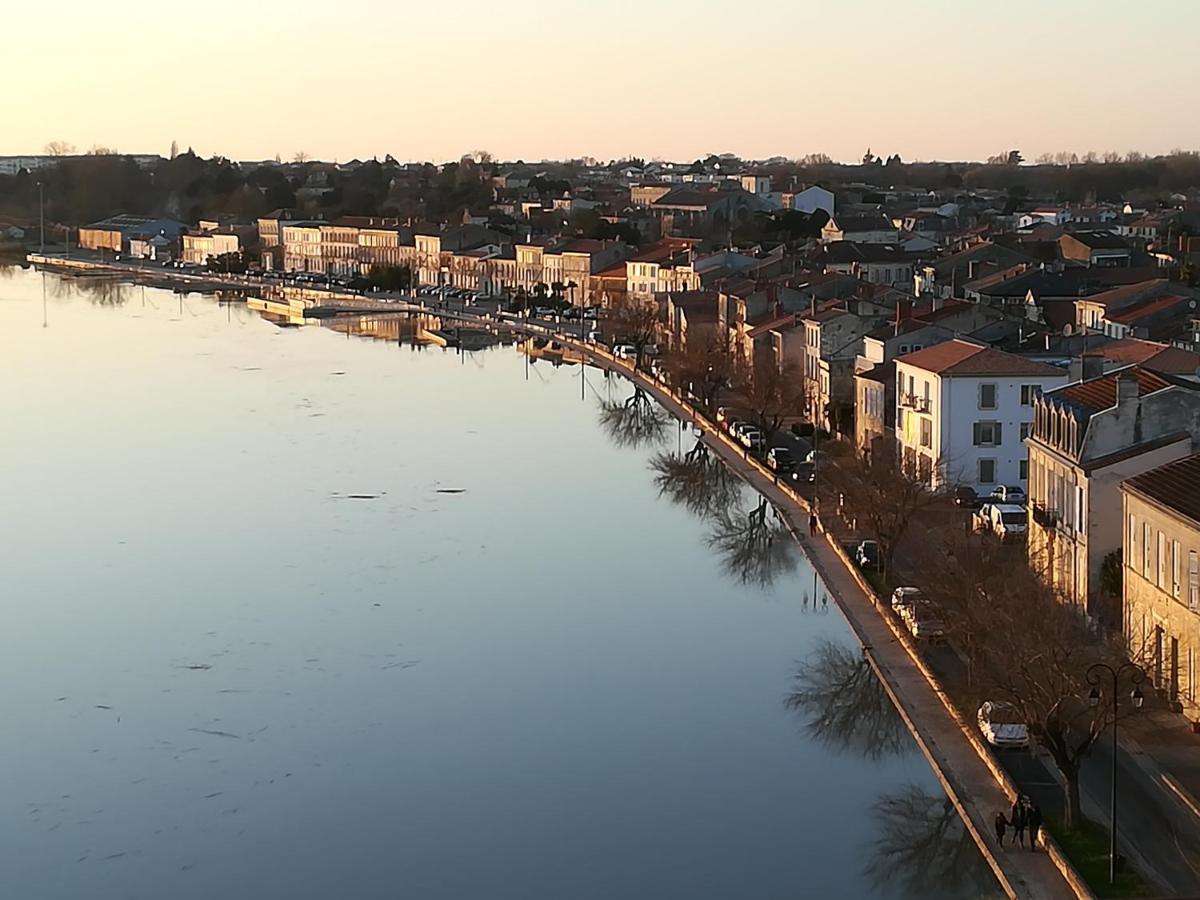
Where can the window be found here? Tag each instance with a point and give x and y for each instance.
(987, 471)
(1029, 392)
(987, 434)
(1147, 549)
(1080, 512)
(1193, 580)
(926, 433)
(1023, 469)
(987, 396)
(1131, 542)
(1024, 430)
(1175, 562)
(1160, 574)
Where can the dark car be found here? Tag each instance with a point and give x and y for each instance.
(966, 498)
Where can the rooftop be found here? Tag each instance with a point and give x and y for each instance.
(963, 358)
(1175, 486)
(1158, 356)
(1099, 394)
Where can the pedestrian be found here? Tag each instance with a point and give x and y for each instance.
(1017, 820)
(1001, 825)
(812, 523)
(1033, 819)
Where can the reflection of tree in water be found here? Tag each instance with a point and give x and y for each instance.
(845, 705)
(753, 548)
(924, 850)
(101, 291)
(697, 481)
(636, 421)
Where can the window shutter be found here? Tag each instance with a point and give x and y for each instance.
(976, 429)
(996, 439)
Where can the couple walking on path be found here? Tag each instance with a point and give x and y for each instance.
(1025, 814)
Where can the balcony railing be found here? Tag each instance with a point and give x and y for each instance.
(1046, 517)
(912, 401)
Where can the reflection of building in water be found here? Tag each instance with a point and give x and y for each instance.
(552, 351)
(422, 329)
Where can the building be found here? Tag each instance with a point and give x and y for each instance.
(875, 263)
(1094, 248)
(667, 265)
(963, 410)
(113, 234)
(201, 245)
(875, 409)
(1161, 525)
(832, 340)
(1153, 309)
(1086, 438)
(862, 228)
(807, 200)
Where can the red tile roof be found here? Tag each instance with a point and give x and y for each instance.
(1155, 355)
(781, 323)
(1147, 308)
(1101, 393)
(962, 358)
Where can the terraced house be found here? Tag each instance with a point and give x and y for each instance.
(1162, 579)
(1087, 437)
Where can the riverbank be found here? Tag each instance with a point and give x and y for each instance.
(946, 742)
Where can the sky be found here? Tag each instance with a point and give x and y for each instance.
(548, 79)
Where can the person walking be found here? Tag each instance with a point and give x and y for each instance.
(812, 523)
(1017, 820)
(1001, 824)
(1033, 818)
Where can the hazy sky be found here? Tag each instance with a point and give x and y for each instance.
(947, 79)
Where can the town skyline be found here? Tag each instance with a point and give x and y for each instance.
(410, 86)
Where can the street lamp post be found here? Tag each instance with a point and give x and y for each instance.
(41, 218)
(1095, 677)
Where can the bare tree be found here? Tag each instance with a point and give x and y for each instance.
(704, 367)
(101, 150)
(636, 421)
(636, 322)
(59, 148)
(299, 157)
(1023, 644)
(845, 705)
(772, 393)
(885, 502)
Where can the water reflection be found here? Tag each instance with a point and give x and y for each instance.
(754, 547)
(635, 422)
(923, 849)
(696, 480)
(100, 290)
(845, 706)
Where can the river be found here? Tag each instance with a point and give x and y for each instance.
(295, 613)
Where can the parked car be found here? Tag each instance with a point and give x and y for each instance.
(1008, 493)
(625, 351)
(924, 621)
(815, 456)
(1007, 520)
(595, 337)
(780, 459)
(1001, 726)
(966, 498)
(903, 598)
(752, 438)
(866, 555)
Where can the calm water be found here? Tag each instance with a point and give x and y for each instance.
(224, 676)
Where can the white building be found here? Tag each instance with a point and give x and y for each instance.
(963, 411)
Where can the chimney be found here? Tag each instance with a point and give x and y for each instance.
(1127, 390)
